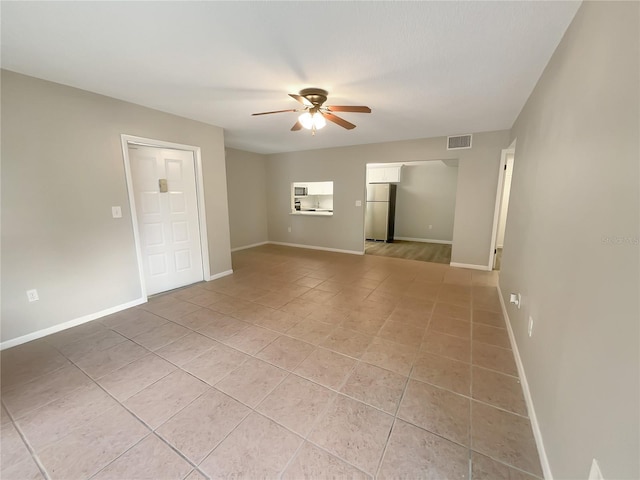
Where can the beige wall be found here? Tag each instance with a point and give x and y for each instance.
(62, 170)
(247, 193)
(571, 244)
(426, 196)
(346, 167)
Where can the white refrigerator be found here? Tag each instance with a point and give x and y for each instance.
(380, 212)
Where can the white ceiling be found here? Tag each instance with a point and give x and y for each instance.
(425, 68)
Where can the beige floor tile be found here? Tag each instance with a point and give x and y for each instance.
(279, 321)
(160, 336)
(143, 322)
(491, 335)
(298, 307)
(148, 460)
(74, 334)
(436, 410)
(286, 352)
(228, 305)
(457, 276)
(252, 339)
(88, 449)
(403, 334)
(411, 317)
(311, 331)
(494, 358)
(160, 401)
(443, 372)
(186, 348)
(415, 453)
(201, 426)
(252, 313)
(354, 432)
(447, 346)
(309, 282)
(389, 355)
(54, 420)
(170, 308)
(99, 363)
(25, 362)
(252, 381)
(328, 314)
(13, 448)
(275, 299)
(23, 470)
(450, 326)
(223, 328)
(312, 462)
(375, 386)
(347, 342)
(504, 436)
(258, 448)
(318, 295)
(21, 399)
(364, 323)
(205, 298)
(216, 363)
(199, 319)
(130, 379)
(491, 318)
(452, 311)
(195, 475)
(485, 468)
(326, 368)
(98, 341)
(503, 391)
(296, 404)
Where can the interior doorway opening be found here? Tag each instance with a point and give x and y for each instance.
(502, 206)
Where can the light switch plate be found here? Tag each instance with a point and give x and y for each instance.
(116, 212)
(358, 203)
(32, 295)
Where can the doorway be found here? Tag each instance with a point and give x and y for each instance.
(502, 206)
(165, 192)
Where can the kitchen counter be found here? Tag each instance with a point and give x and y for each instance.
(317, 213)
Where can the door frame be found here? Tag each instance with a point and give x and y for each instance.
(127, 140)
(496, 213)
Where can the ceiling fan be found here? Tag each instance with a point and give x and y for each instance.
(315, 113)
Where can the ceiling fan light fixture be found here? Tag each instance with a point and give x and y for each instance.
(314, 121)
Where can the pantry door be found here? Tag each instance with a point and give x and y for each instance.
(164, 187)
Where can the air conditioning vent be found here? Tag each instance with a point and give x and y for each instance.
(458, 142)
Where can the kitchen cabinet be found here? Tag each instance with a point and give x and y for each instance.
(320, 188)
(390, 174)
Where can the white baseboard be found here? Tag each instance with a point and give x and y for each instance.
(312, 247)
(71, 323)
(220, 275)
(537, 434)
(424, 240)
(468, 265)
(244, 247)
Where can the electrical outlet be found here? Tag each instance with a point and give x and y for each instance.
(116, 212)
(289, 229)
(358, 203)
(530, 326)
(32, 295)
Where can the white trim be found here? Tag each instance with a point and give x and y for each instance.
(126, 140)
(313, 247)
(471, 266)
(215, 276)
(244, 247)
(425, 240)
(535, 426)
(71, 323)
(496, 209)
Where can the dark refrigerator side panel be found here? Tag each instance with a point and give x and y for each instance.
(392, 213)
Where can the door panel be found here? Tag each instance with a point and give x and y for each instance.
(168, 222)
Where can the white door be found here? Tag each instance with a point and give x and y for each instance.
(167, 216)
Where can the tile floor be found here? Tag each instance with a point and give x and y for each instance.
(302, 364)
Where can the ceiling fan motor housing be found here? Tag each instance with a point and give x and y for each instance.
(316, 96)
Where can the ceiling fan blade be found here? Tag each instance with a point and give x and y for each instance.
(276, 111)
(296, 126)
(340, 121)
(301, 99)
(348, 108)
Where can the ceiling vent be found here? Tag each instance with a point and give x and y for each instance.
(459, 142)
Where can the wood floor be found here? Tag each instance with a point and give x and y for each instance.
(425, 252)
